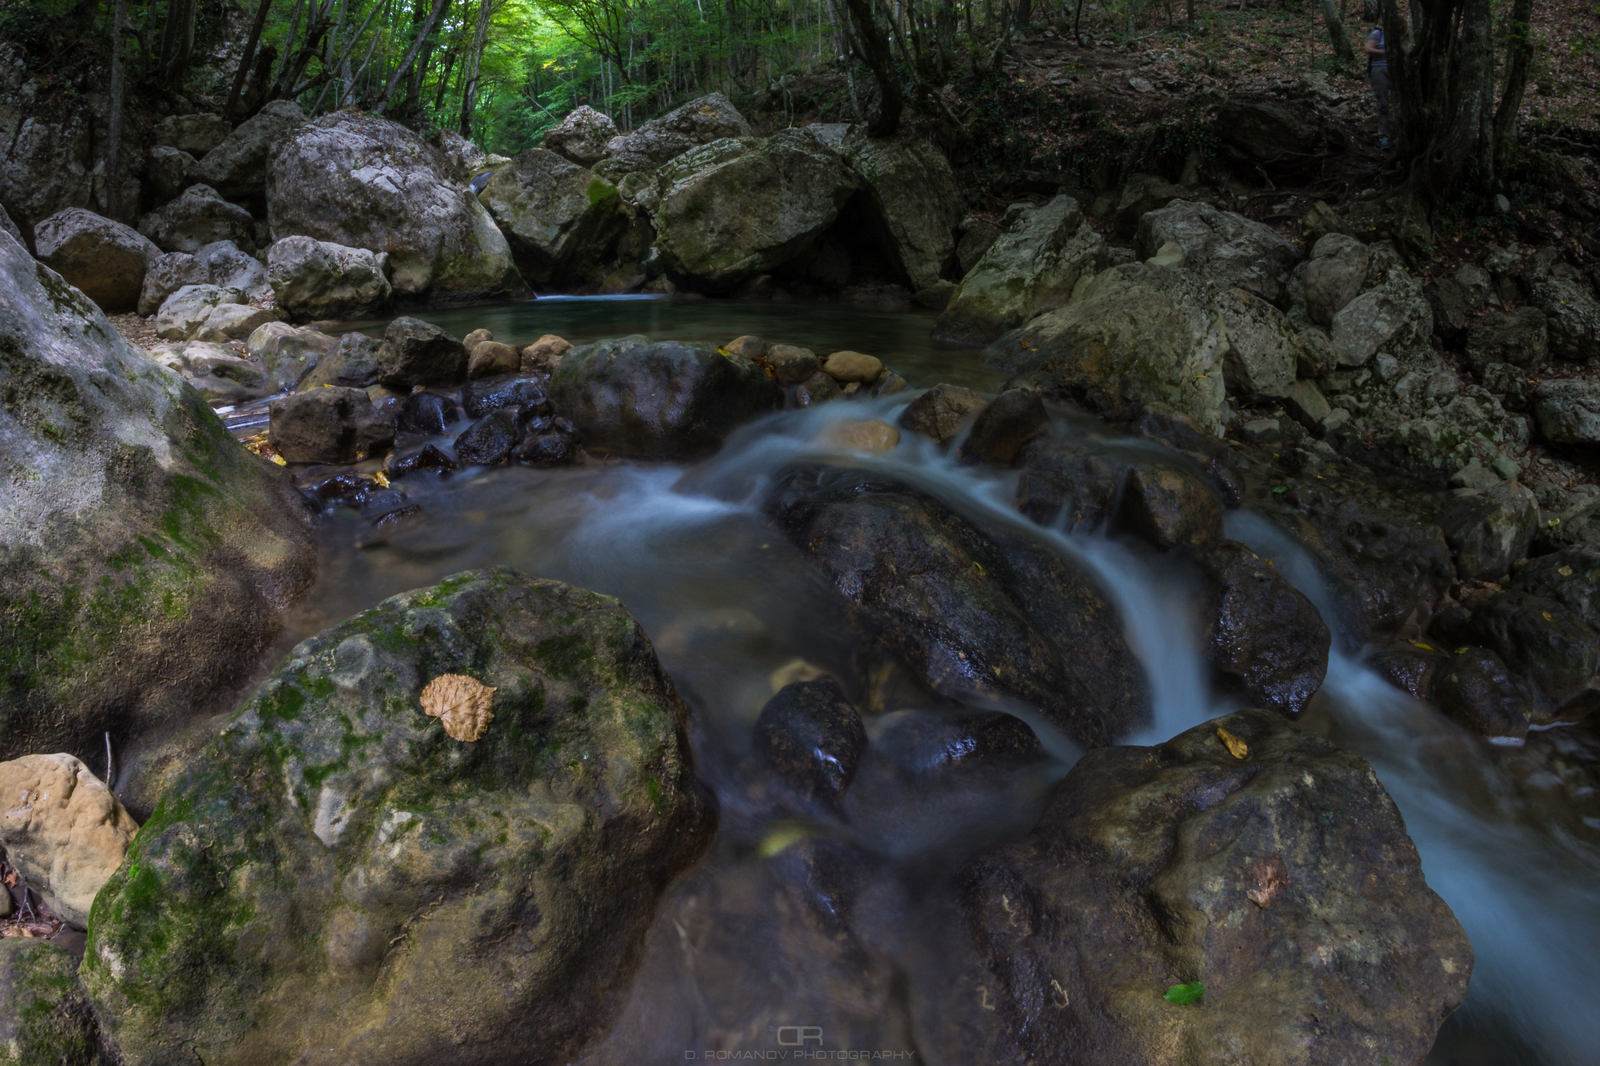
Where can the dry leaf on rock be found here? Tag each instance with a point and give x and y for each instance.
(461, 703)
(1236, 747)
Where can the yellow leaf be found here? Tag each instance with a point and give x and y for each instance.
(1424, 647)
(1546, 615)
(275, 457)
(382, 479)
(782, 837)
(1565, 571)
(1236, 747)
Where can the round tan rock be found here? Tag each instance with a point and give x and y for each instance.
(750, 346)
(477, 336)
(853, 366)
(862, 436)
(63, 830)
(544, 354)
(488, 358)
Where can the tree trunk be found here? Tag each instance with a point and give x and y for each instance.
(410, 57)
(177, 43)
(113, 202)
(1519, 58)
(1336, 35)
(249, 55)
(874, 44)
(1446, 85)
(471, 66)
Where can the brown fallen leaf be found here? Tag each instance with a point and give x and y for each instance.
(461, 703)
(1236, 747)
(1265, 879)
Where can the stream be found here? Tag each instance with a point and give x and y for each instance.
(734, 611)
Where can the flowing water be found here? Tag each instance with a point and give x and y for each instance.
(732, 608)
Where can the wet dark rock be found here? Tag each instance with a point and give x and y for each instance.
(1570, 576)
(331, 425)
(926, 746)
(818, 388)
(346, 489)
(1157, 866)
(1520, 338)
(1542, 640)
(1072, 476)
(480, 397)
(1224, 467)
(425, 414)
(812, 738)
(548, 448)
(1509, 384)
(1475, 689)
(972, 613)
(374, 869)
(791, 363)
(1409, 666)
(647, 400)
(1260, 632)
(1491, 530)
(1003, 427)
(419, 353)
(391, 517)
(490, 439)
(1378, 562)
(412, 460)
(939, 413)
(1168, 505)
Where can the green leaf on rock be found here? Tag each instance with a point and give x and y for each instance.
(1182, 994)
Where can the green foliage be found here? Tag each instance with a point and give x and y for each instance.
(1185, 994)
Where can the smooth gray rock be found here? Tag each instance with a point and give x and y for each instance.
(700, 121)
(237, 167)
(582, 136)
(561, 220)
(1221, 246)
(1334, 276)
(314, 279)
(197, 218)
(360, 181)
(169, 171)
(193, 134)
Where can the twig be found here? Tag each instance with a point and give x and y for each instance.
(111, 764)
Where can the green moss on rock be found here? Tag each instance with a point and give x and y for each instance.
(337, 880)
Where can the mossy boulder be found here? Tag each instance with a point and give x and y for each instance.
(563, 222)
(45, 1018)
(915, 200)
(1132, 335)
(337, 879)
(144, 555)
(732, 209)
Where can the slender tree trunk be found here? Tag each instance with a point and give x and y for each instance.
(249, 55)
(410, 57)
(1519, 58)
(874, 45)
(1336, 34)
(474, 61)
(177, 43)
(113, 200)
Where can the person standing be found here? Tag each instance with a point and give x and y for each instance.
(1378, 71)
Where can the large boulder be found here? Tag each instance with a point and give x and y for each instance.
(1333, 276)
(53, 149)
(1571, 309)
(210, 313)
(1031, 268)
(416, 353)
(648, 400)
(63, 830)
(1392, 316)
(314, 279)
(105, 259)
(237, 167)
(169, 172)
(700, 121)
(1266, 133)
(361, 181)
(974, 615)
(733, 209)
(144, 555)
(1134, 334)
(915, 199)
(1280, 878)
(1221, 246)
(562, 222)
(582, 136)
(197, 218)
(220, 263)
(329, 425)
(215, 370)
(342, 877)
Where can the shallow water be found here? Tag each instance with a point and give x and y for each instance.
(900, 339)
(731, 606)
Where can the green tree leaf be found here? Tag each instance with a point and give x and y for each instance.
(1181, 994)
